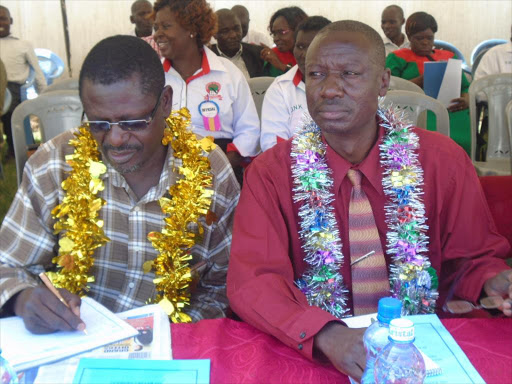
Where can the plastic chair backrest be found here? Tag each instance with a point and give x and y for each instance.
(498, 89)
(440, 44)
(259, 86)
(508, 113)
(399, 84)
(28, 83)
(482, 48)
(58, 111)
(62, 85)
(51, 64)
(7, 101)
(413, 103)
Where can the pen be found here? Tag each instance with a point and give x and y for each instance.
(54, 290)
(362, 258)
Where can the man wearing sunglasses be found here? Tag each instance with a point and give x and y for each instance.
(125, 103)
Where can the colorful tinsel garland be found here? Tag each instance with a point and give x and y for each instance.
(412, 279)
(190, 199)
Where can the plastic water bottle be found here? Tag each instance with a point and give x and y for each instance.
(400, 362)
(376, 336)
(7, 373)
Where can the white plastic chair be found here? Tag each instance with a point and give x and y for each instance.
(414, 103)
(62, 85)
(58, 111)
(508, 113)
(7, 101)
(399, 84)
(259, 86)
(498, 89)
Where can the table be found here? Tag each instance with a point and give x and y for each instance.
(240, 353)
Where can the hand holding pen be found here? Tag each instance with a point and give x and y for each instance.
(44, 312)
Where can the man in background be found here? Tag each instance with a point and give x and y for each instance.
(141, 11)
(392, 20)
(496, 60)
(250, 36)
(18, 57)
(229, 45)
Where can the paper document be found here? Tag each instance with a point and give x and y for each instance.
(25, 350)
(451, 365)
(442, 80)
(106, 371)
(153, 341)
(433, 339)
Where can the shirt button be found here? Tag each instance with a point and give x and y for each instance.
(131, 285)
(136, 209)
(137, 249)
(303, 335)
(300, 347)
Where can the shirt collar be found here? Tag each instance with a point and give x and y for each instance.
(235, 56)
(387, 40)
(298, 77)
(204, 70)
(167, 178)
(370, 167)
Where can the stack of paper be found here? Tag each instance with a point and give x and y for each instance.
(25, 350)
(153, 341)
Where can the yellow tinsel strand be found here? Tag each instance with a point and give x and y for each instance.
(191, 199)
(77, 216)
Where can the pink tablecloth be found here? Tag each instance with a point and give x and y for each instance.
(240, 353)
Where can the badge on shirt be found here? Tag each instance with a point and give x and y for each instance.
(209, 110)
(212, 91)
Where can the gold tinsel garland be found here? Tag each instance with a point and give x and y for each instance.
(77, 215)
(191, 199)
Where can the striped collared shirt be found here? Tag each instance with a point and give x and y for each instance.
(27, 242)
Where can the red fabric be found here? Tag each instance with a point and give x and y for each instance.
(285, 57)
(498, 192)
(231, 148)
(297, 78)
(239, 353)
(408, 55)
(266, 254)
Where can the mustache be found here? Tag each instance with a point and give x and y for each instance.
(110, 147)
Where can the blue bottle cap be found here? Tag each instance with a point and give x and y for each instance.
(389, 309)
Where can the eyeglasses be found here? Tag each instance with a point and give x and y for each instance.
(125, 125)
(463, 306)
(280, 32)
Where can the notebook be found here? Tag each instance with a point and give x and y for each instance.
(431, 367)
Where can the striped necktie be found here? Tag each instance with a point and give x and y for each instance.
(370, 279)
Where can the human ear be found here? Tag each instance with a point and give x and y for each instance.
(384, 82)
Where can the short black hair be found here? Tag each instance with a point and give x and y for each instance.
(293, 16)
(372, 36)
(5, 9)
(120, 57)
(419, 22)
(312, 24)
(396, 7)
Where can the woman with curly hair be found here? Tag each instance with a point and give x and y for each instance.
(408, 63)
(282, 28)
(211, 87)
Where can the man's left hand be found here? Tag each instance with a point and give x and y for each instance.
(501, 285)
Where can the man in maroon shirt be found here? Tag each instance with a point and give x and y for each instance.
(345, 75)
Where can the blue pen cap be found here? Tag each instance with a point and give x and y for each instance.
(389, 309)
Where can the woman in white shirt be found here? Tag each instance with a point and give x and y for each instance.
(211, 87)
